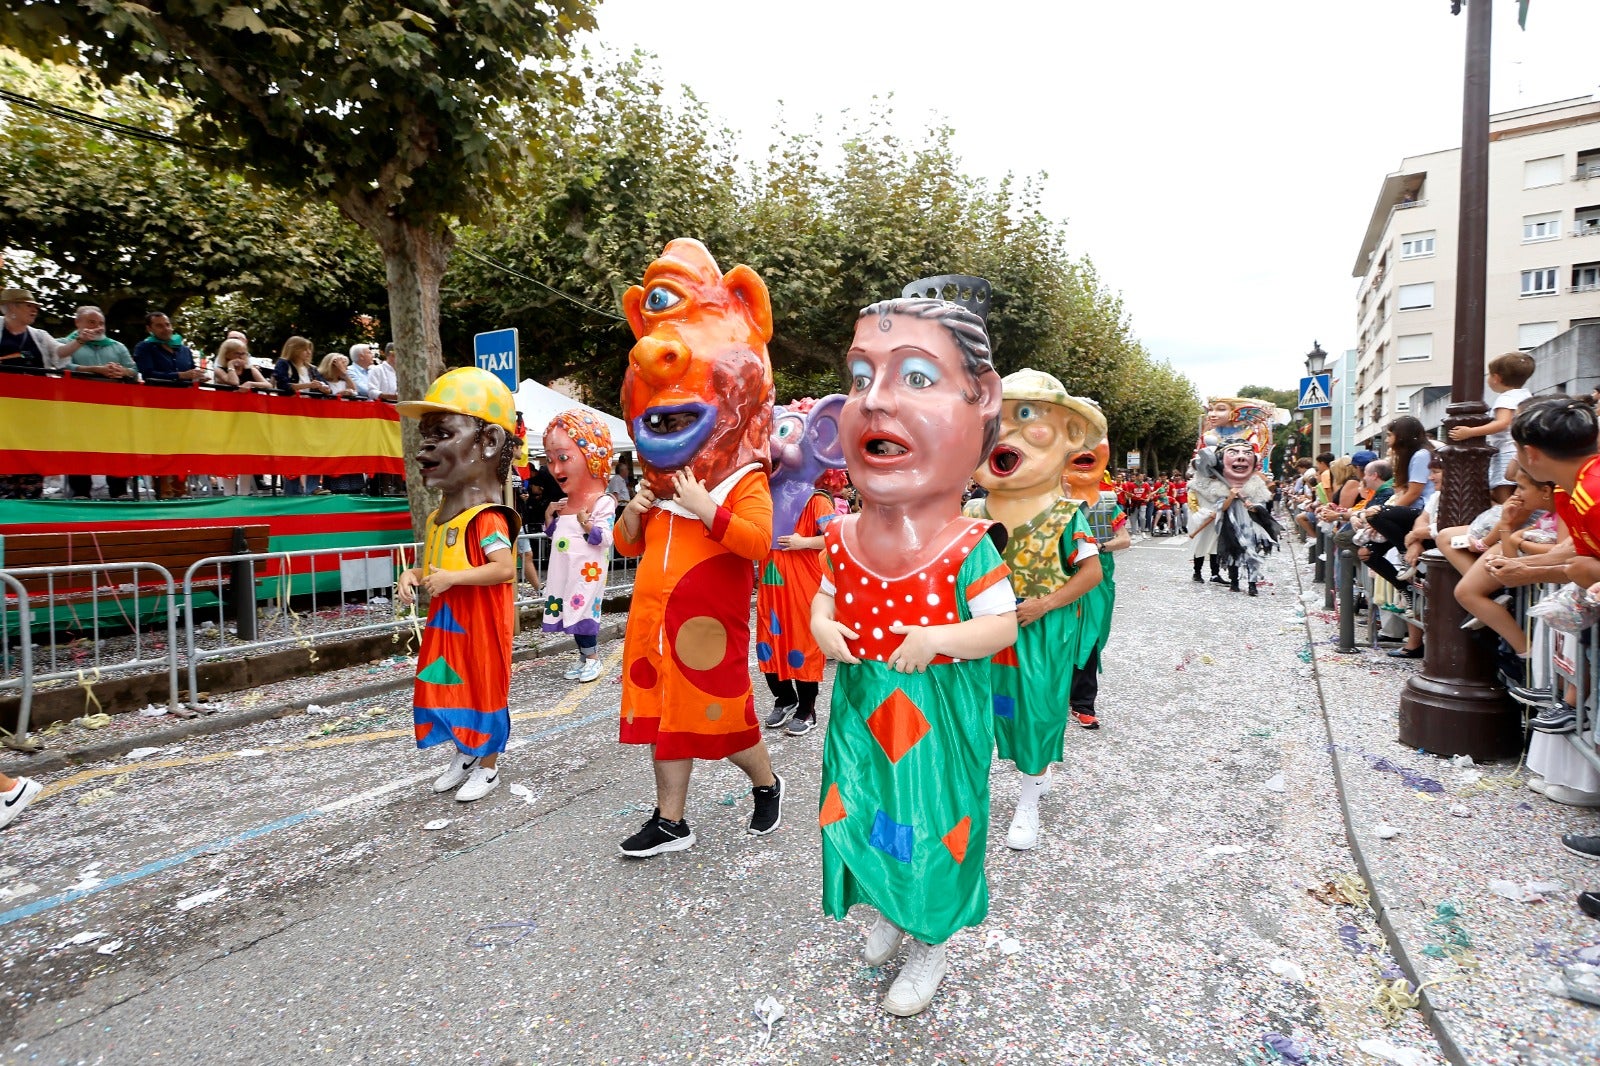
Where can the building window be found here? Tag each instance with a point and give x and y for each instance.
(1415, 297)
(1416, 245)
(1586, 221)
(1532, 334)
(1586, 277)
(1545, 227)
(1537, 173)
(1588, 164)
(1540, 282)
(1413, 347)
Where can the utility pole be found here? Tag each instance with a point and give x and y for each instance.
(1454, 706)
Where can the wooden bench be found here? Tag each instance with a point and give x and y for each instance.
(176, 549)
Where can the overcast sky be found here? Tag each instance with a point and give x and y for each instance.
(1217, 161)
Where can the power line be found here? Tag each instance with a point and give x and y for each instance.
(535, 281)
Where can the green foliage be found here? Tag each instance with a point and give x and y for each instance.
(131, 226)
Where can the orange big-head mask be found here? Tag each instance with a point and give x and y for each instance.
(698, 391)
(1086, 471)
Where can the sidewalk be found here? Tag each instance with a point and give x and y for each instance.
(1468, 838)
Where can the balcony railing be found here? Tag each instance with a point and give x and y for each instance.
(1587, 228)
(1586, 171)
(1585, 286)
(1402, 205)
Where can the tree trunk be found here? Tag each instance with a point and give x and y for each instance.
(414, 259)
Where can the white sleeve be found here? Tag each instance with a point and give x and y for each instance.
(998, 598)
(826, 588)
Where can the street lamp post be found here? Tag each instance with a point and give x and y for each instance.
(1316, 363)
(1316, 359)
(1453, 706)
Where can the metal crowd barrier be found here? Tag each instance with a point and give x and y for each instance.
(86, 658)
(1559, 660)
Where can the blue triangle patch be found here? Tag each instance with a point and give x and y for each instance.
(445, 621)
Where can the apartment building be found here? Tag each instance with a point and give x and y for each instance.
(1543, 256)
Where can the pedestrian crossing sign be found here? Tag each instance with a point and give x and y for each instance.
(1314, 392)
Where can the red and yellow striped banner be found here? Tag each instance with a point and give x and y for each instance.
(77, 425)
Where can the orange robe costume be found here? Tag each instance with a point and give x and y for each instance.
(686, 673)
(785, 647)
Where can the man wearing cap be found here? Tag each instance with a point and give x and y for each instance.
(22, 344)
(468, 568)
(1054, 563)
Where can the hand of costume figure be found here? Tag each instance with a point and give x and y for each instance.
(405, 588)
(553, 509)
(642, 501)
(692, 495)
(438, 581)
(831, 637)
(1031, 610)
(583, 519)
(793, 541)
(915, 652)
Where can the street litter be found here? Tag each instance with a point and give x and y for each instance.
(18, 892)
(524, 793)
(488, 937)
(1385, 831)
(81, 938)
(436, 824)
(768, 1012)
(313, 708)
(85, 883)
(1287, 970)
(151, 710)
(108, 948)
(1461, 761)
(140, 753)
(192, 902)
(1460, 810)
(1225, 849)
(248, 753)
(1529, 892)
(1285, 1048)
(1404, 1056)
(95, 721)
(1275, 783)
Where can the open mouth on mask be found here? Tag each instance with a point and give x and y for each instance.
(882, 448)
(1003, 460)
(669, 436)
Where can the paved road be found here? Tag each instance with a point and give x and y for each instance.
(1170, 878)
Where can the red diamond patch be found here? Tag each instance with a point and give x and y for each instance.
(897, 724)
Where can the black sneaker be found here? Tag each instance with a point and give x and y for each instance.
(657, 836)
(1589, 903)
(768, 814)
(1532, 697)
(1582, 846)
(1218, 579)
(1556, 718)
(780, 714)
(801, 724)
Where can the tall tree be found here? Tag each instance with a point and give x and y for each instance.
(399, 113)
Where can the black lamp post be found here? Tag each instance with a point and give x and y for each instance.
(1316, 362)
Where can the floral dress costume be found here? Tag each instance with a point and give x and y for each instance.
(905, 764)
(1032, 678)
(575, 583)
(464, 668)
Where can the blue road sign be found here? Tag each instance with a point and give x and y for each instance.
(1314, 392)
(498, 353)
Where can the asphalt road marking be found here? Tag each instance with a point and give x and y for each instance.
(568, 704)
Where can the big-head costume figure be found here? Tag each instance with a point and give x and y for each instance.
(1054, 565)
(805, 445)
(914, 600)
(578, 452)
(698, 398)
(468, 568)
(1233, 519)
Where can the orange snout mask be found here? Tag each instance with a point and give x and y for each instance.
(698, 389)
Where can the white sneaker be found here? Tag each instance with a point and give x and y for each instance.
(1571, 797)
(590, 670)
(882, 942)
(918, 980)
(576, 668)
(482, 782)
(1537, 784)
(460, 766)
(21, 794)
(1024, 831)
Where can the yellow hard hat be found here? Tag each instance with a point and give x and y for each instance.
(467, 390)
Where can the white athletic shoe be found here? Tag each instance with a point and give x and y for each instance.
(576, 669)
(482, 782)
(918, 980)
(21, 794)
(460, 766)
(590, 670)
(1024, 831)
(882, 942)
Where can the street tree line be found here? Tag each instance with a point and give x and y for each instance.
(590, 180)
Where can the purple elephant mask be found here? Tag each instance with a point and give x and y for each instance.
(805, 442)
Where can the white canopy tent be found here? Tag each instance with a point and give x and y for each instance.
(540, 403)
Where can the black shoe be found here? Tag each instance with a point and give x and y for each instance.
(780, 714)
(1532, 697)
(768, 814)
(1557, 718)
(1384, 638)
(1406, 653)
(1218, 579)
(657, 836)
(801, 724)
(1197, 576)
(1582, 846)
(1589, 903)
(1253, 588)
